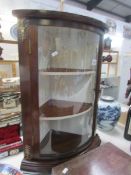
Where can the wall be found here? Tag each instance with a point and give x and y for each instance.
(118, 43)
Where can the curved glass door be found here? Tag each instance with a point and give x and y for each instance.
(67, 60)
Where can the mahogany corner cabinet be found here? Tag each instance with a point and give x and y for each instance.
(60, 66)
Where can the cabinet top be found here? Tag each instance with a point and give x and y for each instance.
(58, 15)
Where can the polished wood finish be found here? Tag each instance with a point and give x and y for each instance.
(29, 73)
(59, 108)
(36, 165)
(58, 142)
(104, 160)
(63, 16)
(29, 89)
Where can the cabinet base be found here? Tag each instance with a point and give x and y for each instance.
(46, 166)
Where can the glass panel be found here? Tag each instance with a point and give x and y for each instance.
(67, 61)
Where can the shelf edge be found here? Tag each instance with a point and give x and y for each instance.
(66, 117)
(67, 73)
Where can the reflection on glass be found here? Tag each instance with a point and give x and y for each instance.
(67, 69)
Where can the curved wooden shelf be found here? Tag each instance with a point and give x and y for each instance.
(8, 41)
(65, 117)
(60, 109)
(64, 71)
(67, 73)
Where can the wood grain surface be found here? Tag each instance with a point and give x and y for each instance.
(104, 160)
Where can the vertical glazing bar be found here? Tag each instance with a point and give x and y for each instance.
(97, 88)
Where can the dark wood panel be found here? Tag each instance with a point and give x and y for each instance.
(57, 142)
(34, 115)
(44, 165)
(57, 15)
(105, 160)
(25, 88)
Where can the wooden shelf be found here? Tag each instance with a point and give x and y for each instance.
(64, 71)
(60, 109)
(8, 41)
(109, 62)
(8, 61)
(114, 62)
(111, 51)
